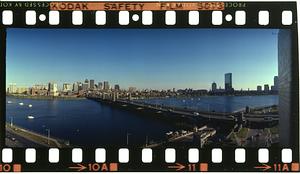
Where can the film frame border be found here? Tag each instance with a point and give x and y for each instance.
(158, 163)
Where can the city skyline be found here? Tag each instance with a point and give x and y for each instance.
(165, 64)
(106, 84)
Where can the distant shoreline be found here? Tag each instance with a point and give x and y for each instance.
(46, 97)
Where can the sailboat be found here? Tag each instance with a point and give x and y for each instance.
(30, 117)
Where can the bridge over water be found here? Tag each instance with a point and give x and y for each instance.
(237, 116)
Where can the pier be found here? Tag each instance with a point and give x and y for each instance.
(198, 136)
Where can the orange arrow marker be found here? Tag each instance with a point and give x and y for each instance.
(264, 167)
(79, 167)
(177, 167)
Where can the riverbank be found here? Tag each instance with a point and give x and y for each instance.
(36, 138)
(45, 97)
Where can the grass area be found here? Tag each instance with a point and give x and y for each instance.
(274, 130)
(231, 137)
(242, 133)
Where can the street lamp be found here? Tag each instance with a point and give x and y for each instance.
(11, 121)
(48, 137)
(127, 138)
(146, 140)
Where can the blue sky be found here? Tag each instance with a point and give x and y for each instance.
(144, 58)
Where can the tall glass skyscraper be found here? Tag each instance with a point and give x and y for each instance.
(228, 82)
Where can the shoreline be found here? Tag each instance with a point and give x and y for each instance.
(35, 137)
(46, 97)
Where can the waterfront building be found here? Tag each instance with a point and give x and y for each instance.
(22, 90)
(80, 86)
(214, 87)
(92, 84)
(39, 92)
(275, 83)
(87, 82)
(75, 87)
(12, 88)
(52, 89)
(117, 87)
(67, 87)
(40, 87)
(132, 89)
(115, 96)
(100, 86)
(106, 85)
(259, 88)
(85, 86)
(228, 82)
(266, 88)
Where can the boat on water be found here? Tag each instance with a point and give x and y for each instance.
(9, 102)
(30, 117)
(21, 104)
(30, 106)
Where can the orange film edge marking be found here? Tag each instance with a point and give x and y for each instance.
(135, 6)
(113, 167)
(17, 167)
(295, 167)
(203, 167)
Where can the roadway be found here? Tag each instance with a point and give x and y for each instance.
(25, 138)
(14, 140)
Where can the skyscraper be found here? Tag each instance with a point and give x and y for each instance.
(213, 86)
(117, 87)
(259, 88)
(100, 86)
(228, 82)
(266, 87)
(288, 89)
(106, 85)
(275, 83)
(92, 84)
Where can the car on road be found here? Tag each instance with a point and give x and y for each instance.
(231, 116)
(268, 118)
(196, 113)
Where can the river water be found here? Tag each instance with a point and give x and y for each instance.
(217, 103)
(89, 123)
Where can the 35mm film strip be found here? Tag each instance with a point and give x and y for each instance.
(149, 86)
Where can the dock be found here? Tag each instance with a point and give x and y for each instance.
(198, 135)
